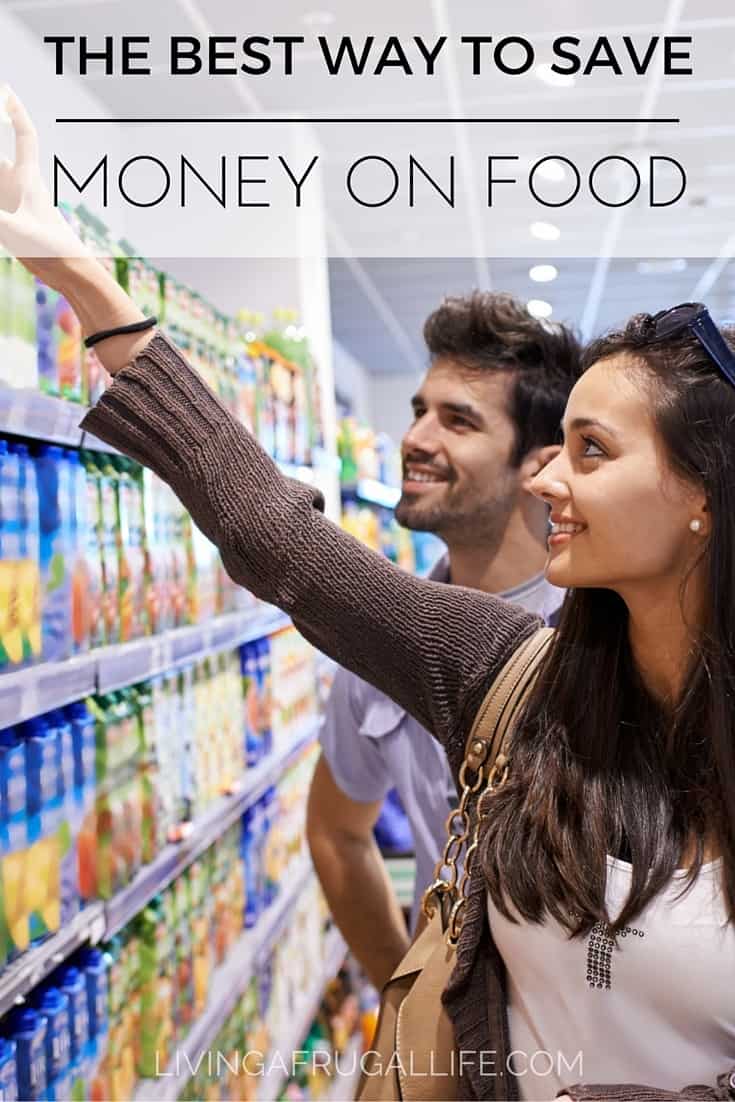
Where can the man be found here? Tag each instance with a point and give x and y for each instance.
(485, 420)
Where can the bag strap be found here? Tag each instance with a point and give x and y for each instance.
(487, 741)
(485, 766)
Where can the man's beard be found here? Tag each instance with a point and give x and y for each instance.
(463, 520)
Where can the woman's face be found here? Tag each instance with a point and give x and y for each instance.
(629, 514)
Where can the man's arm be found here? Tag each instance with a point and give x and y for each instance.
(354, 877)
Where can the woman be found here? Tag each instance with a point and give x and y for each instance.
(599, 942)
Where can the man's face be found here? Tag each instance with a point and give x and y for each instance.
(457, 479)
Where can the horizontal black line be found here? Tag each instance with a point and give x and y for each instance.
(549, 121)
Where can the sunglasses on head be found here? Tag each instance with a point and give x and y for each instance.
(694, 318)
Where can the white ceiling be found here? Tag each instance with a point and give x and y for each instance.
(379, 302)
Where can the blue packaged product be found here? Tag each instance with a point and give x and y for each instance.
(250, 849)
(92, 962)
(45, 782)
(54, 1005)
(254, 750)
(28, 1031)
(84, 742)
(8, 1071)
(55, 520)
(72, 982)
(20, 541)
(263, 651)
(13, 776)
(71, 818)
(65, 751)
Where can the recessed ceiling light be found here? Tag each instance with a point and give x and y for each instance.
(553, 170)
(543, 273)
(537, 308)
(556, 80)
(318, 18)
(545, 231)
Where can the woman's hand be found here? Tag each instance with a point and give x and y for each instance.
(34, 231)
(31, 228)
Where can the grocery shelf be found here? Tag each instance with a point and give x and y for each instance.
(94, 444)
(175, 858)
(29, 413)
(101, 920)
(139, 660)
(229, 982)
(19, 978)
(29, 692)
(335, 952)
(373, 492)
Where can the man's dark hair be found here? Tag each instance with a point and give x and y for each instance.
(494, 332)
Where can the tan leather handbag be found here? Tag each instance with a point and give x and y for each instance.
(412, 1056)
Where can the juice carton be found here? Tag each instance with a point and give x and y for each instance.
(116, 733)
(184, 1005)
(186, 726)
(263, 652)
(59, 336)
(27, 597)
(44, 804)
(11, 642)
(253, 736)
(131, 552)
(8, 1071)
(200, 921)
(252, 843)
(155, 825)
(84, 737)
(93, 964)
(143, 284)
(22, 314)
(71, 982)
(90, 545)
(119, 841)
(86, 585)
(54, 1005)
(14, 926)
(107, 532)
(71, 821)
(55, 506)
(28, 1032)
(156, 990)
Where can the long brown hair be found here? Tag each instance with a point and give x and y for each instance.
(597, 763)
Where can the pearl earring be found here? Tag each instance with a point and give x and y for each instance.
(695, 525)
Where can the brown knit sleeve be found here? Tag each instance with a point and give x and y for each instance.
(431, 647)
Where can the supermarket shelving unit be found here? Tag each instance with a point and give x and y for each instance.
(25, 693)
(50, 685)
(99, 921)
(335, 952)
(229, 982)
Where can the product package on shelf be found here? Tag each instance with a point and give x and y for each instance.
(47, 785)
(18, 325)
(293, 677)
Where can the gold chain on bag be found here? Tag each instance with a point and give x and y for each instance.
(445, 889)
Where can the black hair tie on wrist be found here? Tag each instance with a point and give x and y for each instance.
(136, 327)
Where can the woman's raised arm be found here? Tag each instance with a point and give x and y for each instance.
(431, 647)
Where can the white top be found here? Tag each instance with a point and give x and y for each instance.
(658, 1009)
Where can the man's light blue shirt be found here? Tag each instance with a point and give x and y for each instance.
(372, 745)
